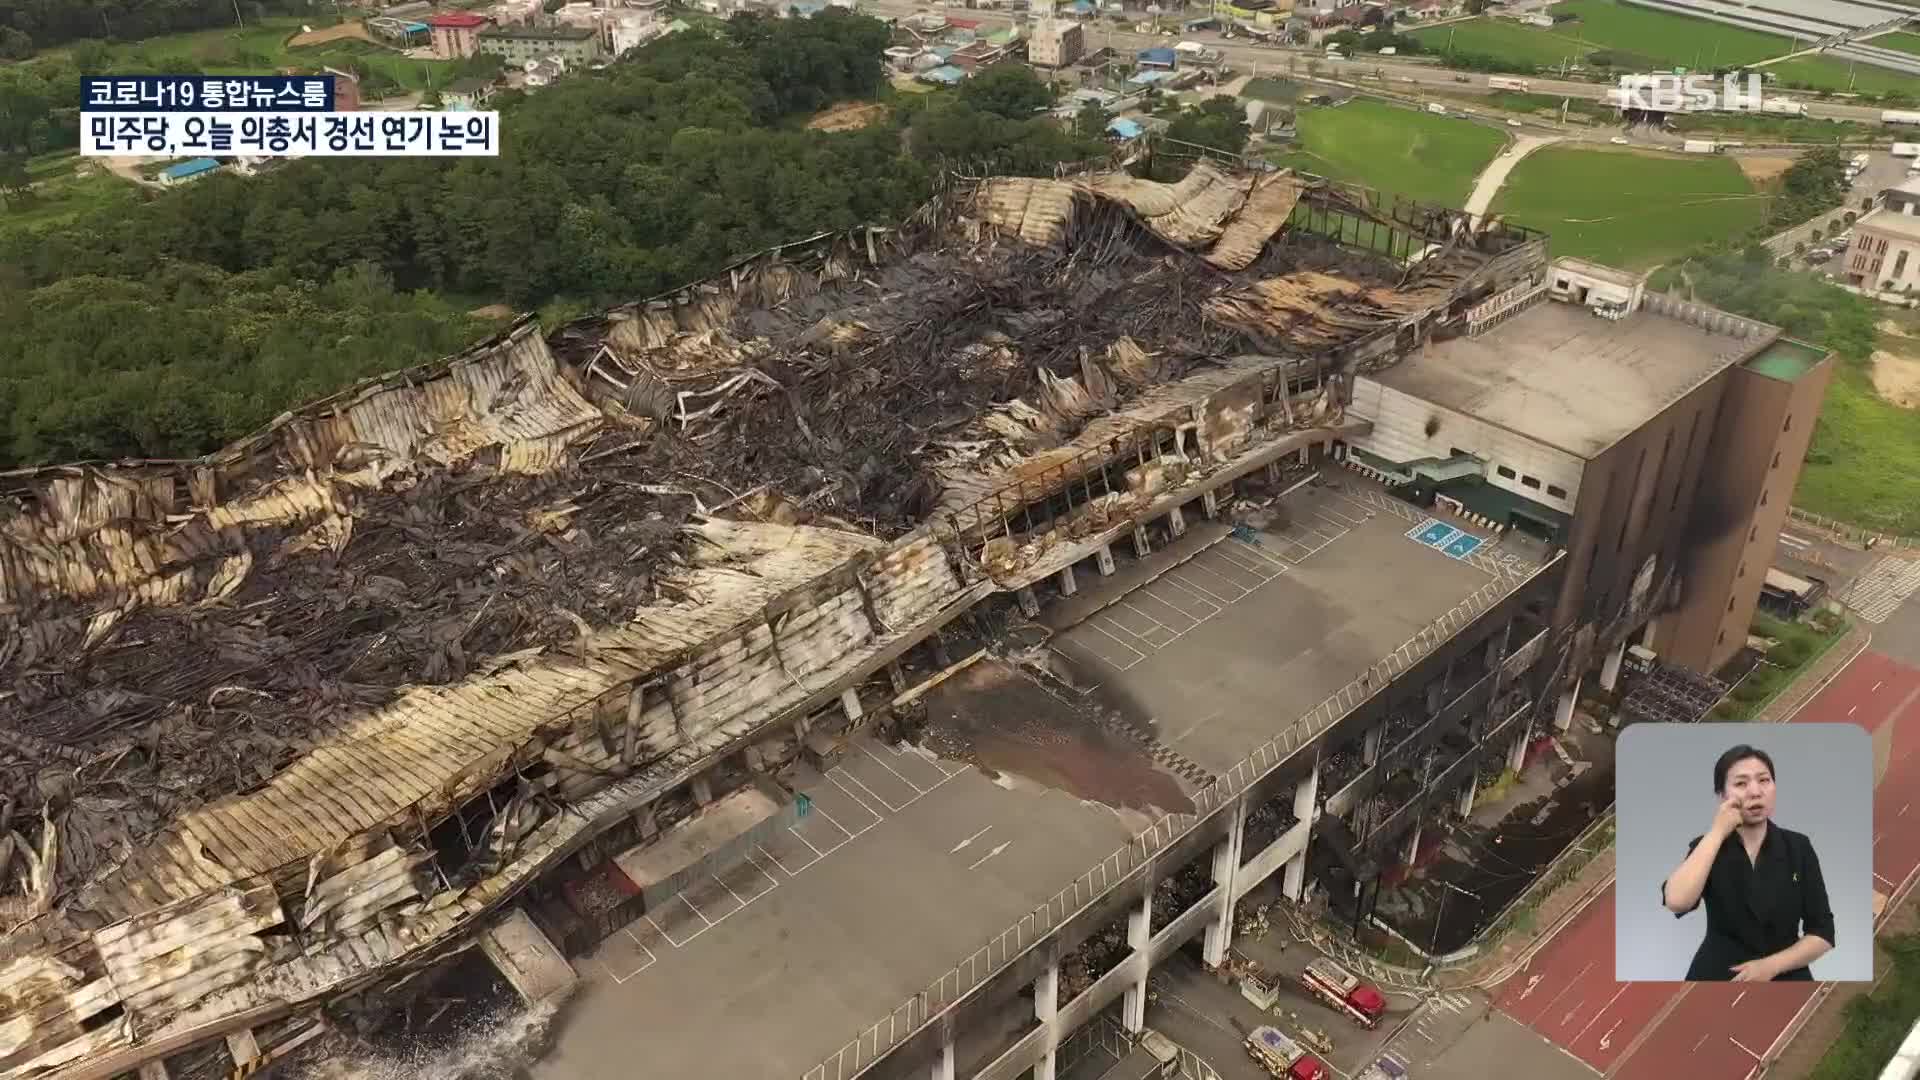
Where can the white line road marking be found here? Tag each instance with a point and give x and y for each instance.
(1878, 685)
(968, 840)
(863, 784)
(1882, 880)
(1852, 709)
(876, 760)
(1532, 981)
(1601, 1013)
(998, 848)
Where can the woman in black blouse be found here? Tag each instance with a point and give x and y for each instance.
(1767, 910)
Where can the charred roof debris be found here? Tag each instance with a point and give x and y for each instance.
(301, 718)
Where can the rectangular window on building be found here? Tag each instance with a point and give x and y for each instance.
(1556, 491)
(1529, 481)
(1900, 264)
(1505, 473)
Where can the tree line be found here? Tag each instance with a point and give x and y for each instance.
(30, 25)
(168, 326)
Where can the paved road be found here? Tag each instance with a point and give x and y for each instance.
(1274, 60)
(1488, 185)
(1882, 172)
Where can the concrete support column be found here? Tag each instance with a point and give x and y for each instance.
(1226, 867)
(1104, 559)
(702, 791)
(1133, 1007)
(897, 676)
(1068, 583)
(1273, 471)
(1142, 547)
(1517, 754)
(1467, 792)
(1306, 455)
(1610, 665)
(1370, 743)
(801, 729)
(1413, 843)
(1210, 502)
(1647, 632)
(1306, 802)
(943, 1062)
(1176, 523)
(1046, 1007)
(1029, 603)
(1563, 716)
(850, 704)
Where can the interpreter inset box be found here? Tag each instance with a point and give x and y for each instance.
(1744, 853)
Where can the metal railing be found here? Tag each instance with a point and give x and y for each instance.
(1855, 533)
(1523, 657)
(970, 974)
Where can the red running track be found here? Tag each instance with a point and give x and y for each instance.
(1718, 1031)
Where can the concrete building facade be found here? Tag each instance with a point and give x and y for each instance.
(572, 46)
(1057, 43)
(1885, 253)
(456, 34)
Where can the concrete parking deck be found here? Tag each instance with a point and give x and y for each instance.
(909, 861)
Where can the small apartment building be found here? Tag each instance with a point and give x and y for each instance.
(456, 34)
(572, 46)
(1885, 253)
(1903, 198)
(1057, 44)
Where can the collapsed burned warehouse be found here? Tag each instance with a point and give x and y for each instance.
(307, 717)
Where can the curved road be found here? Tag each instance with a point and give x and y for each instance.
(1495, 174)
(1273, 60)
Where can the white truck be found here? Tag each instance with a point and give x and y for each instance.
(1502, 82)
(1700, 146)
(1783, 107)
(1899, 116)
(1906, 149)
(1436, 108)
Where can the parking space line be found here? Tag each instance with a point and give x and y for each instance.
(1096, 628)
(891, 769)
(1195, 564)
(619, 979)
(856, 798)
(783, 866)
(1169, 605)
(1240, 562)
(1198, 594)
(1256, 550)
(1215, 597)
(868, 788)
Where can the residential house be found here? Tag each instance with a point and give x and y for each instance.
(1057, 44)
(456, 34)
(541, 73)
(467, 93)
(572, 46)
(1885, 253)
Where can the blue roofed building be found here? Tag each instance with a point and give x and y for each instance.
(1149, 78)
(945, 75)
(1124, 129)
(188, 170)
(1158, 59)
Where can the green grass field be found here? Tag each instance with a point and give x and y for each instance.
(1899, 40)
(1642, 38)
(61, 193)
(1628, 209)
(1394, 150)
(1877, 1023)
(262, 47)
(1865, 460)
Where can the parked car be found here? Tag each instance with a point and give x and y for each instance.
(1620, 140)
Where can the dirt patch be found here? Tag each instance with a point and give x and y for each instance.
(847, 116)
(1759, 170)
(331, 33)
(492, 311)
(1897, 377)
(1001, 719)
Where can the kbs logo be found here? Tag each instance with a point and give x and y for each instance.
(1688, 93)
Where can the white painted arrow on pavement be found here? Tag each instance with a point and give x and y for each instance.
(1607, 1039)
(1531, 983)
(968, 840)
(1002, 846)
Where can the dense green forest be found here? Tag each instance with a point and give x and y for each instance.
(168, 326)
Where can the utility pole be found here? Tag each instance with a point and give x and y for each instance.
(1433, 940)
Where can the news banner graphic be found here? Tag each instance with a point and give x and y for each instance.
(263, 116)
